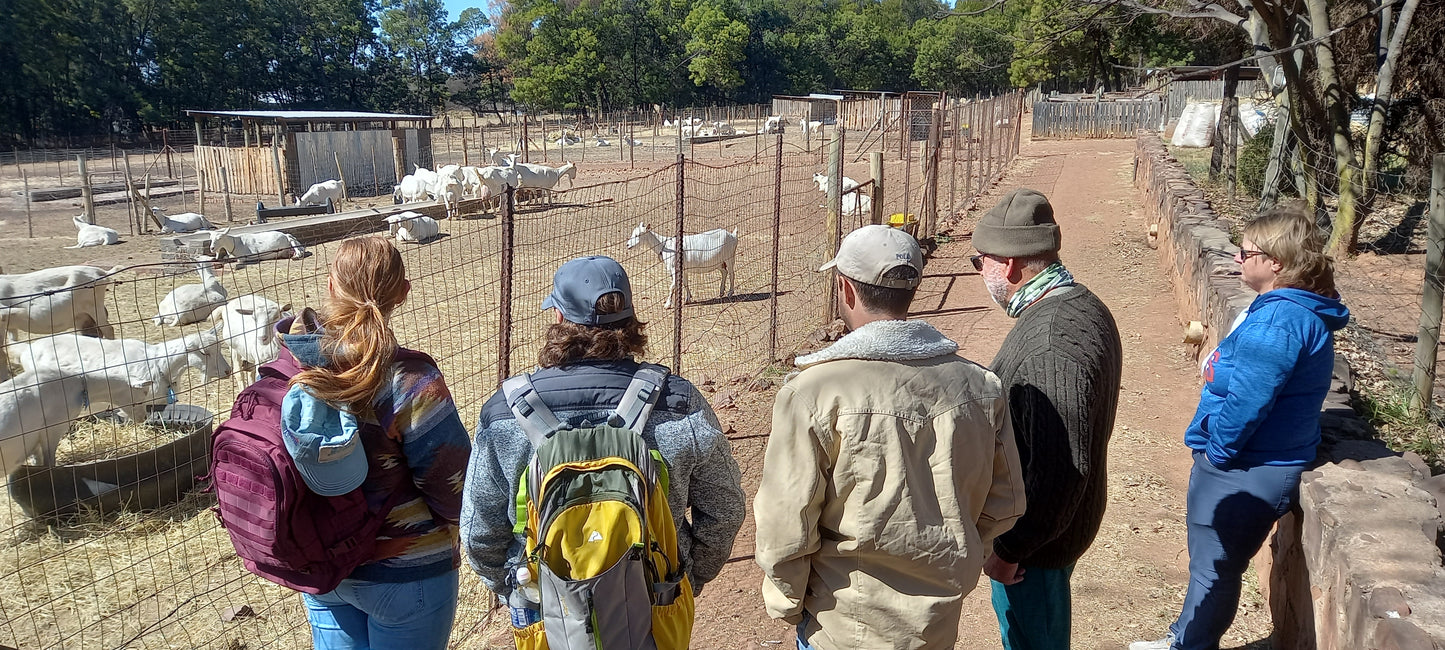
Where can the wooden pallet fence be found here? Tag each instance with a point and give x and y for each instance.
(250, 169)
(1065, 120)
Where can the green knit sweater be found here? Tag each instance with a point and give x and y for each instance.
(1061, 365)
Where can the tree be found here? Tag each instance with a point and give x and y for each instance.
(418, 32)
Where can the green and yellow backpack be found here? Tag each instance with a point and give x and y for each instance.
(592, 507)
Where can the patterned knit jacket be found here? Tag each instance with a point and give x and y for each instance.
(423, 454)
(1061, 365)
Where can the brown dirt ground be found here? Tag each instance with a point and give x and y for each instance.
(1127, 587)
(1131, 583)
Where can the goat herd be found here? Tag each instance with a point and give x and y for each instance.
(66, 373)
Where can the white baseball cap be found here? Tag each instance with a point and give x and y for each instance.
(869, 252)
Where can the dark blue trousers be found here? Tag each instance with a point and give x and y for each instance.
(1035, 613)
(1230, 514)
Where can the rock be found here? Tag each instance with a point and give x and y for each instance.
(705, 380)
(1435, 485)
(1421, 467)
(707, 388)
(1388, 602)
(1395, 634)
(1344, 374)
(834, 331)
(739, 379)
(759, 385)
(233, 612)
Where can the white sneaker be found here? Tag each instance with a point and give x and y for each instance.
(1162, 644)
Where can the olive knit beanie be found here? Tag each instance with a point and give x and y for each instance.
(1021, 225)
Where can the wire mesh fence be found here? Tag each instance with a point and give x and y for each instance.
(112, 545)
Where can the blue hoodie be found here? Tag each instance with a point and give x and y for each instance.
(1264, 386)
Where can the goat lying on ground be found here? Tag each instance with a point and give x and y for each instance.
(251, 247)
(714, 250)
(88, 234)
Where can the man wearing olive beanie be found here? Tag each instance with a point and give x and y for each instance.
(1060, 366)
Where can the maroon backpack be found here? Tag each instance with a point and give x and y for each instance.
(282, 530)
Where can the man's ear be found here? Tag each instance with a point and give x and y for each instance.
(1013, 270)
(846, 289)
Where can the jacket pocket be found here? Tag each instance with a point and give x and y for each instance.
(532, 637)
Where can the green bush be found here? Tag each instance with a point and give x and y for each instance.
(1254, 160)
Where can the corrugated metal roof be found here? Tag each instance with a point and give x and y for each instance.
(313, 116)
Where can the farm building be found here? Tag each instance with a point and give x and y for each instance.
(862, 110)
(279, 152)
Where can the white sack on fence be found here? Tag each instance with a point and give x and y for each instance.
(1196, 127)
(1252, 116)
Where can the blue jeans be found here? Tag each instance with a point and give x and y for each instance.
(1230, 515)
(802, 629)
(1034, 614)
(361, 615)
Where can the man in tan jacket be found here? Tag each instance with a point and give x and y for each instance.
(891, 468)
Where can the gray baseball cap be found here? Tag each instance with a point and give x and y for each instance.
(869, 252)
(578, 284)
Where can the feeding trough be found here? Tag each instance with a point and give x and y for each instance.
(146, 480)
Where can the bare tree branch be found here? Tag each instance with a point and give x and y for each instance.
(1200, 10)
(1284, 50)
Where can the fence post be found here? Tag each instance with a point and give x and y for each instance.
(1428, 339)
(835, 221)
(226, 192)
(166, 147)
(130, 204)
(953, 163)
(968, 154)
(907, 158)
(777, 235)
(504, 318)
(276, 161)
(87, 199)
(345, 194)
(30, 226)
(875, 170)
(678, 277)
(930, 177)
(201, 191)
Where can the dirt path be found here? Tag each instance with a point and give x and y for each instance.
(1130, 584)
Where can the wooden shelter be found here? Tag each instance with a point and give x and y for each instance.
(280, 152)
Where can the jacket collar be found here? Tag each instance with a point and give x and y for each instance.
(306, 348)
(885, 340)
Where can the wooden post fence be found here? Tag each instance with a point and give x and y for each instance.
(777, 235)
(678, 277)
(1427, 341)
(504, 318)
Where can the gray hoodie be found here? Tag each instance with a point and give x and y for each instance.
(704, 477)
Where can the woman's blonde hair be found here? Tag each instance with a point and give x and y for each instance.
(1289, 235)
(368, 282)
(567, 342)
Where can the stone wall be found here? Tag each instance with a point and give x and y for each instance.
(1357, 564)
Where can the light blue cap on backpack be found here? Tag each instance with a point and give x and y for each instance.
(324, 443)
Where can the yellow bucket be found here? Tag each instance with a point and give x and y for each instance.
(906, 222)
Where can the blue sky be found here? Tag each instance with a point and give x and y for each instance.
(455, 7)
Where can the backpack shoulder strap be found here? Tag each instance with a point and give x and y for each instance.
(642, 394)
(531, 412)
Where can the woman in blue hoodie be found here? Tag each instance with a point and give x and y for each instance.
(1258, 420)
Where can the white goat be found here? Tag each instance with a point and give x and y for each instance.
(92, 235)
(542, 177)
(499, 157)
(687, 131)
(774, 124)
(411, 189)
(601, 142)
(809, 127)
(251, 247)
(320, 193)
(823, 181)
(192, 303)
(854, 202)
(180, 223)
(413, 227)
(36, 409)
(247, 326)
(126, 373)
(723, 128)
(448, 190)
(54, 300)
(426, 176)
(714, 250)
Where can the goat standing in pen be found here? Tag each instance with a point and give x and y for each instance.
(714, 250)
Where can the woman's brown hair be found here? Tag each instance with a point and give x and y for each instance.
(568, 342)
(1289, 235)
(368, 281)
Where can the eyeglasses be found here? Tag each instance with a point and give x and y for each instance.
(978, 261)
(1244, 255)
